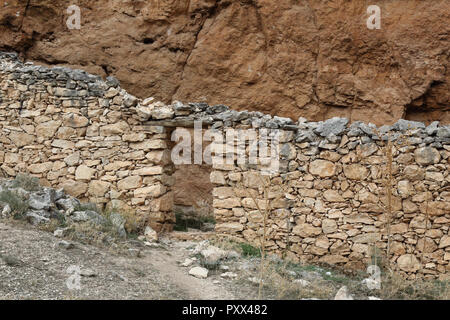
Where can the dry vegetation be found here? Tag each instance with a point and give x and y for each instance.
(104, 234)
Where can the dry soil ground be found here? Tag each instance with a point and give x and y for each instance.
(35, 266)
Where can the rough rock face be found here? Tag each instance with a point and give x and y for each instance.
(41, 204)
(315, 59)
(192, 188)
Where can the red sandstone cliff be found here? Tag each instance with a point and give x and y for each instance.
(311, 58)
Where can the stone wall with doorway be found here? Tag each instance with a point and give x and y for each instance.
(326, 201)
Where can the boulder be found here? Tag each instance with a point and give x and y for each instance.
(306, 230)
(74, 188)
(230, 227)
(161, 113)
(199, 272)
(444, 242)
(213, 254)
(187, 262)
(131, 182)
(88, 215)
(36, 217)
(67, 204)
(42, 200)
(60, 232)
(150, 234)
(98, 188)
(404, 125)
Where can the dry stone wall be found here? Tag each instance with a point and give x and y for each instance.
(329, 202)
(77, 132)
(328, 199)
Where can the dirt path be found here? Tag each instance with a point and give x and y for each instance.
(36, 265)
(167, 264)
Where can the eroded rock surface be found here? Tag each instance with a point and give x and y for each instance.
(315, 59)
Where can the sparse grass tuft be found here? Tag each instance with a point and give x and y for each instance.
(279, 282)
(133, 222)
(90, 233)
(395, 287)
(210, 265)
(249, 251)
(50, 226)
(105, 234)
(26, 182)
(11, 261)
(18, 205)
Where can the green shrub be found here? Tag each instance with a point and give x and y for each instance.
(210, 265)
(26, 182)
(249, 251)
(18, 205)
(133, 221)
(61, 220)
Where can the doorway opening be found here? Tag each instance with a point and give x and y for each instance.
(193, 198)
(193, 194)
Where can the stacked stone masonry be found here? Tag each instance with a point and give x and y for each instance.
(77, 132)
(328, 200)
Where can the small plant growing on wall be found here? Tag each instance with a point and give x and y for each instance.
(265, 211)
